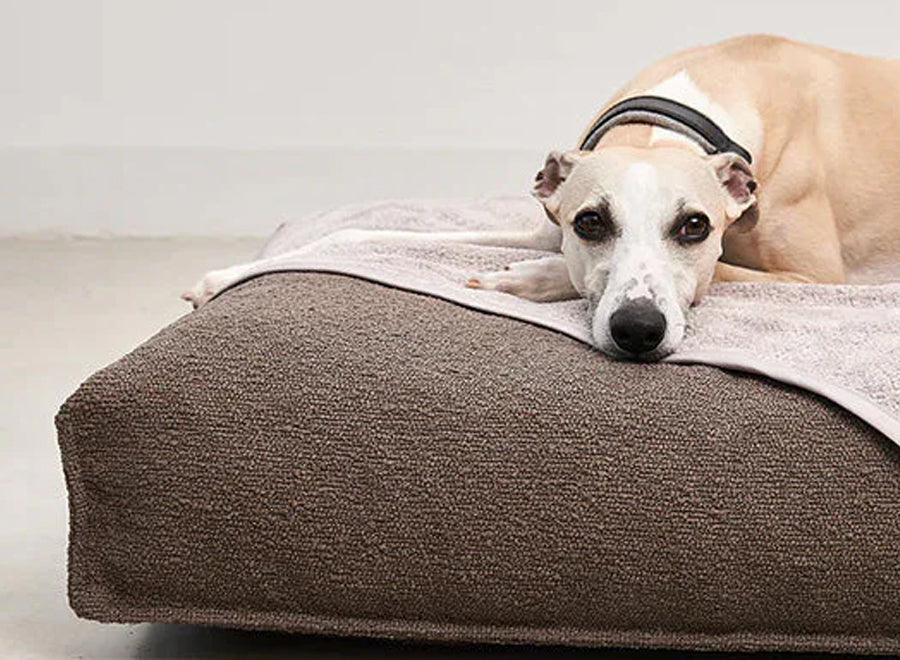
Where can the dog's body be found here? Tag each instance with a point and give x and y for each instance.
(824, 129)
(643, 219)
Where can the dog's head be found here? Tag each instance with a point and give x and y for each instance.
(642, 231)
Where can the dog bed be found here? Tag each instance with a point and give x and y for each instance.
(317, 453)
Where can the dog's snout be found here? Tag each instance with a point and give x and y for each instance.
(638, 326)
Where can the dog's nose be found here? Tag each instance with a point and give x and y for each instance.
(637, 326)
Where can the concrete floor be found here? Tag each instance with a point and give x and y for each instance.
(69, 308)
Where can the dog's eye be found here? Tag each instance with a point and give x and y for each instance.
(591, 226)
(693, 229)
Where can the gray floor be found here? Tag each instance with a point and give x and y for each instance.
(68, 308)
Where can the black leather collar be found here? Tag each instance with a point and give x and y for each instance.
(665, 113)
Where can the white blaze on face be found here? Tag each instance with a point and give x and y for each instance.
(639, 247)
(641, 264)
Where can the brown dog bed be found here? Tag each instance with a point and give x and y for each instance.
(318, 453)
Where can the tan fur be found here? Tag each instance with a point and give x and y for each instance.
(828, 162)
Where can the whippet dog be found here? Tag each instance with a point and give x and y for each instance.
(756, 159)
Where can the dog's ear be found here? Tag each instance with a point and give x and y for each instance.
(549, 179)
(736, 177)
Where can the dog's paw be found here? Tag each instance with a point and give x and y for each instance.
(539, 280)
(506, 280)
(207, 287)
(199, 294)
(517, 279)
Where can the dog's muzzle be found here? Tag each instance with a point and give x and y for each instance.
(638, 326)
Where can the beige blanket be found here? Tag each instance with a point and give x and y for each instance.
(841, 342)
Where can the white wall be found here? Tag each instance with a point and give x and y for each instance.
(114, 114)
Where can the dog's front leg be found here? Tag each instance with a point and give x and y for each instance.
(544, 237)
(540, 280)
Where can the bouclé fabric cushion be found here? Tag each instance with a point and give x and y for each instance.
(318, 453)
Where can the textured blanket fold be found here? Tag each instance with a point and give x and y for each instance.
(841, 342)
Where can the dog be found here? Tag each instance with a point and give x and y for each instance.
(756, 159)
